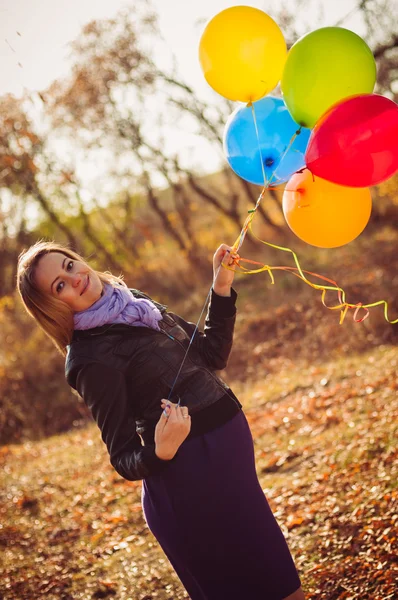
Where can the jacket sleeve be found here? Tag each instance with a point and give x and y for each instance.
(215, 342)
(104, 391)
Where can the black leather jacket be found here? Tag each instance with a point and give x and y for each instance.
(123, 372)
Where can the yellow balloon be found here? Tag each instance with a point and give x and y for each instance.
(323, 213)
(242, 53)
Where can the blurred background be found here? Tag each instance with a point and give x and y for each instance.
(111, 142)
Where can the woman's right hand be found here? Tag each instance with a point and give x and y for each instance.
(171, 430)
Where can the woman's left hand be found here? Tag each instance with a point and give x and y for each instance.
(223, 278)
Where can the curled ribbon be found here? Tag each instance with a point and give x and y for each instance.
(343, 305)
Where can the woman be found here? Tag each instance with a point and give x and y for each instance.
(194, 452)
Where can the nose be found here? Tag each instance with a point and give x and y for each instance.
(76, 280)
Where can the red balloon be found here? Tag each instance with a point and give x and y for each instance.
(355, 143)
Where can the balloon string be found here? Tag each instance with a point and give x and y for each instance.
(240, 239)
(190, 342)
(259, 145)
(343, 305)
(282, 156)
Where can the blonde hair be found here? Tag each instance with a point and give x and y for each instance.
(52, 315)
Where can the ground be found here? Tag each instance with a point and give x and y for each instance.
(325, 441)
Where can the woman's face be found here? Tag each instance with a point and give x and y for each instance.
(69, 280)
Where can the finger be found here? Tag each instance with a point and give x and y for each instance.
(183, 416)
(234, 260)
(178, 413)
(163, 420)
(172, 414)
(224, 251)
(228, 259)
(221, 251)
(225, 247)
(168, 407)
(184, 412)
(166, 401)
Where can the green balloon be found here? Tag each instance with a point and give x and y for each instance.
(322, 68)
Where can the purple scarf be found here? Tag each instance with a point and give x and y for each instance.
(118, 305)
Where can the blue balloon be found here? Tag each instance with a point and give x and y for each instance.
(275, 130)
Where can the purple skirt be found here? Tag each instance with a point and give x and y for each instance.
(212, 520)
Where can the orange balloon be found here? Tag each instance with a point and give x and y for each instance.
(323, 213)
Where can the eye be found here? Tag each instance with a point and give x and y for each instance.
(68, 269)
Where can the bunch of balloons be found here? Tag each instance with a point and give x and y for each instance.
(329, 139)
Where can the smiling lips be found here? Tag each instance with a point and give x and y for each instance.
(85, 287)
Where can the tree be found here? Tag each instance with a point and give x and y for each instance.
(118, 96)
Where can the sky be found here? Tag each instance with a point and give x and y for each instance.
(34, 51)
